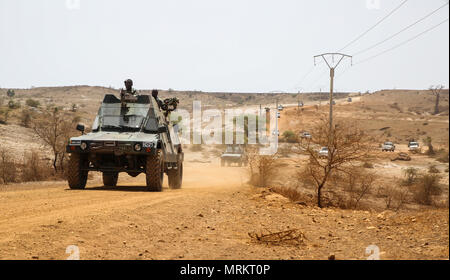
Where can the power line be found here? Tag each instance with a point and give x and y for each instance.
(394, 47)
(305, 76)
(402, 30)
(404, 42)
(376, 24)
(302, 79)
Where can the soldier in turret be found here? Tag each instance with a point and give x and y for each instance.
(129, 93)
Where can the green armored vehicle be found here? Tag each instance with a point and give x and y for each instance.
(234, 154)
(129, 135)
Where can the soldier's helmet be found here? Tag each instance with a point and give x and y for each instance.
(129, 84)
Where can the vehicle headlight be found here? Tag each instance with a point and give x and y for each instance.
(75, 142)
(83, 146)
(137, 147)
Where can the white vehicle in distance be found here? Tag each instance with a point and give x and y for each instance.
(323, 152)
(306, 135)
(388, 147)
(280, 107)
(413, 146)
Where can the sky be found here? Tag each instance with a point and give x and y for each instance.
(225, 46)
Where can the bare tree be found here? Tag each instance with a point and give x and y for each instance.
(436, 91)
(347, 146)
(54, 129)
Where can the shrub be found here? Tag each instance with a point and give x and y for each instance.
(4, 115)
(32, 103)
(25, 118)
(8, 169)
(289, 136)
(433, 170)
(262, 168)
(428, 185)
(13, 105)
(394, 197)
(34, 168)
(411, 174)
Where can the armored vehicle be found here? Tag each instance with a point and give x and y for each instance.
(130, 135)
(233, 154)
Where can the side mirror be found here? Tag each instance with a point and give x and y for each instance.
(162, 129)
(80, 127)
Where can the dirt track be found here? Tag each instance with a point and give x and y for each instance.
(209, 218)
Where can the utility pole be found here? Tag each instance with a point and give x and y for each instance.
(332, 67)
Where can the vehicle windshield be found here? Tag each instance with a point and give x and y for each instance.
(114, 117)
(413, 144)
(388, 143)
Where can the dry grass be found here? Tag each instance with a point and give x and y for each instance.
(32, 168)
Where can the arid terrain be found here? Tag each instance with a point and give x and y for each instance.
(215, 213)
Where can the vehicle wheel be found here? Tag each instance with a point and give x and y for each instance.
(76, 177)
(110, 179)
(176, 177)
(154, 171)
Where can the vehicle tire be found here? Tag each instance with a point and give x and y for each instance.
(154, 171)
(76, 177)
(110, 179)
(175, 177)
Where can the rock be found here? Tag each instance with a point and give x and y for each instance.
(332, 258)
(200, 215)
(277, 197)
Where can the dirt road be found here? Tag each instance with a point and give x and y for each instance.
(209, 218)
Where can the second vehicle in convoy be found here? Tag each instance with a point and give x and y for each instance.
(234, 154)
